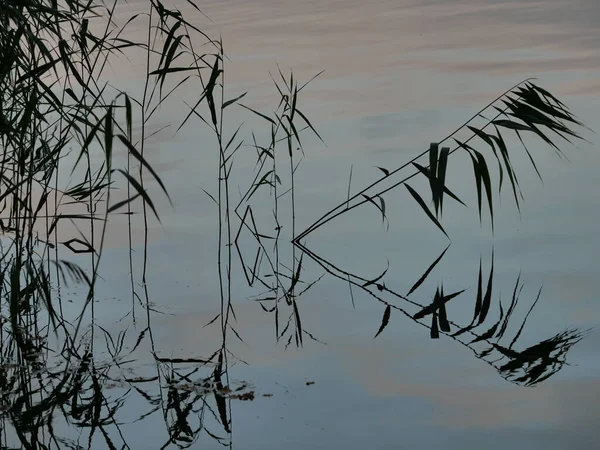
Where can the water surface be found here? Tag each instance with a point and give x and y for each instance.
(398, 75)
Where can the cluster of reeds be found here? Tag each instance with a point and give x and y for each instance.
(73, 154)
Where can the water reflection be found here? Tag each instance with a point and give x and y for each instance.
(75, 397)
(80, 390)
(74, 385)
(526, 367)
(79, 396)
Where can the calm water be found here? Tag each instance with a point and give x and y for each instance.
(398, 75)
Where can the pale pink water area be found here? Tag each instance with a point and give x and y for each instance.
(390, 56)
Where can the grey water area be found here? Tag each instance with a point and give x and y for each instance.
(398, 75)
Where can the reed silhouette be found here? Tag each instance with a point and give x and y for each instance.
(63, 129)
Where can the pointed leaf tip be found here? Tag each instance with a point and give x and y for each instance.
(385, 320)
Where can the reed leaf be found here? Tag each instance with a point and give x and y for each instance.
(422, 204)
(385, 320)
(423, 277)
